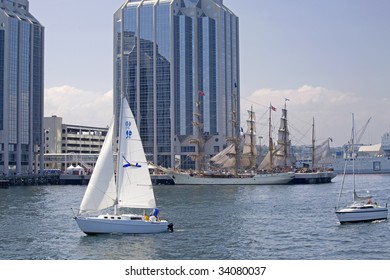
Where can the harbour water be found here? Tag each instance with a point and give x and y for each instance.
(291, 222)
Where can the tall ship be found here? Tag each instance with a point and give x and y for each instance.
(370, 159)
(312, 171)
(235, 165)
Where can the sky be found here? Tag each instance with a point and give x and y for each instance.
(329, 58)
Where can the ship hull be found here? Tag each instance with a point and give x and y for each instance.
(259, 179)
(361, 215)
(119, 224)
(321, 177)
(363, 165)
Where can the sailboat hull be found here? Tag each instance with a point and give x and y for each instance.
(348, 215)
(111, 224)
(259, 179)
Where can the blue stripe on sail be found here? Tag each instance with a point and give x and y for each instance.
(128, 164)
(131, 165)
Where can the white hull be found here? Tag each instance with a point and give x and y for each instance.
(259, 179)
(364, 165)
(119, 224)
(361, 215)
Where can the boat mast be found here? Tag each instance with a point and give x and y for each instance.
(313, 146)
(199, 141)
(252, 139)
(253, 143)
(235, 132)
(270, 138)
(285, 133)
(118, 169)
(353, 154)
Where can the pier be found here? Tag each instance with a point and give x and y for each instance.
(29, 180)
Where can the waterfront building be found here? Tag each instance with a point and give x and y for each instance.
(177, 62)
(21, 88)
(68, 145)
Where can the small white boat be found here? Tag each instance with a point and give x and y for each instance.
(362, 208)
(361, 212)
(131, 189)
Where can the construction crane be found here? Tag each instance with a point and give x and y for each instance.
(360, 133)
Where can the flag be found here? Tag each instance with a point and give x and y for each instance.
(201, 93)
(286, 99)
(273, 108)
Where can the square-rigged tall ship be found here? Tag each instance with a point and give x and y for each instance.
(241, 153)
(282, 157)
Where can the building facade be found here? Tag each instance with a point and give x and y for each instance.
(177, 62)
(66, 145)
(21, 88)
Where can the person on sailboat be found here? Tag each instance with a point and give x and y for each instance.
(154, 215)
(146, 217)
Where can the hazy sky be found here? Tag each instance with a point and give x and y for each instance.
(330, 58)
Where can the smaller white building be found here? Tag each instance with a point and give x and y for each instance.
(66, 145)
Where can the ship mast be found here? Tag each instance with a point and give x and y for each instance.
(235, 132)
(313, 142)
(252, 142)
(284, 119)
(199, 141)
(270, 138)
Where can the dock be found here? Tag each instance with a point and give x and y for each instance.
(29, 180)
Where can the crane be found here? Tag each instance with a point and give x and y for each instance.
(361, 131)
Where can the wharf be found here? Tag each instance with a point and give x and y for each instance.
(63, 179)
(73, 179)
(29, 180)
(161, 179)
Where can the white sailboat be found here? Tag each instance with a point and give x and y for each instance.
(131, 189)
(362, 208)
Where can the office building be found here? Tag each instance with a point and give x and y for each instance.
(177, 62)
(66, 145)
(21, 88)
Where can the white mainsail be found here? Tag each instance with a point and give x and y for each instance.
(101, 189)
(134, 184)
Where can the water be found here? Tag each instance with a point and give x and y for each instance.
(294, 222)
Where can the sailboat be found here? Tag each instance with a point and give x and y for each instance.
(362, 208)
(131, 188)
(233, 158)
(281, 157)
(317, 174)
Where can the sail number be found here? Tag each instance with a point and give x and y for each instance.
(128, 133)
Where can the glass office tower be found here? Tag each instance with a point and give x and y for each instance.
(177, 62)
(21, 88)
